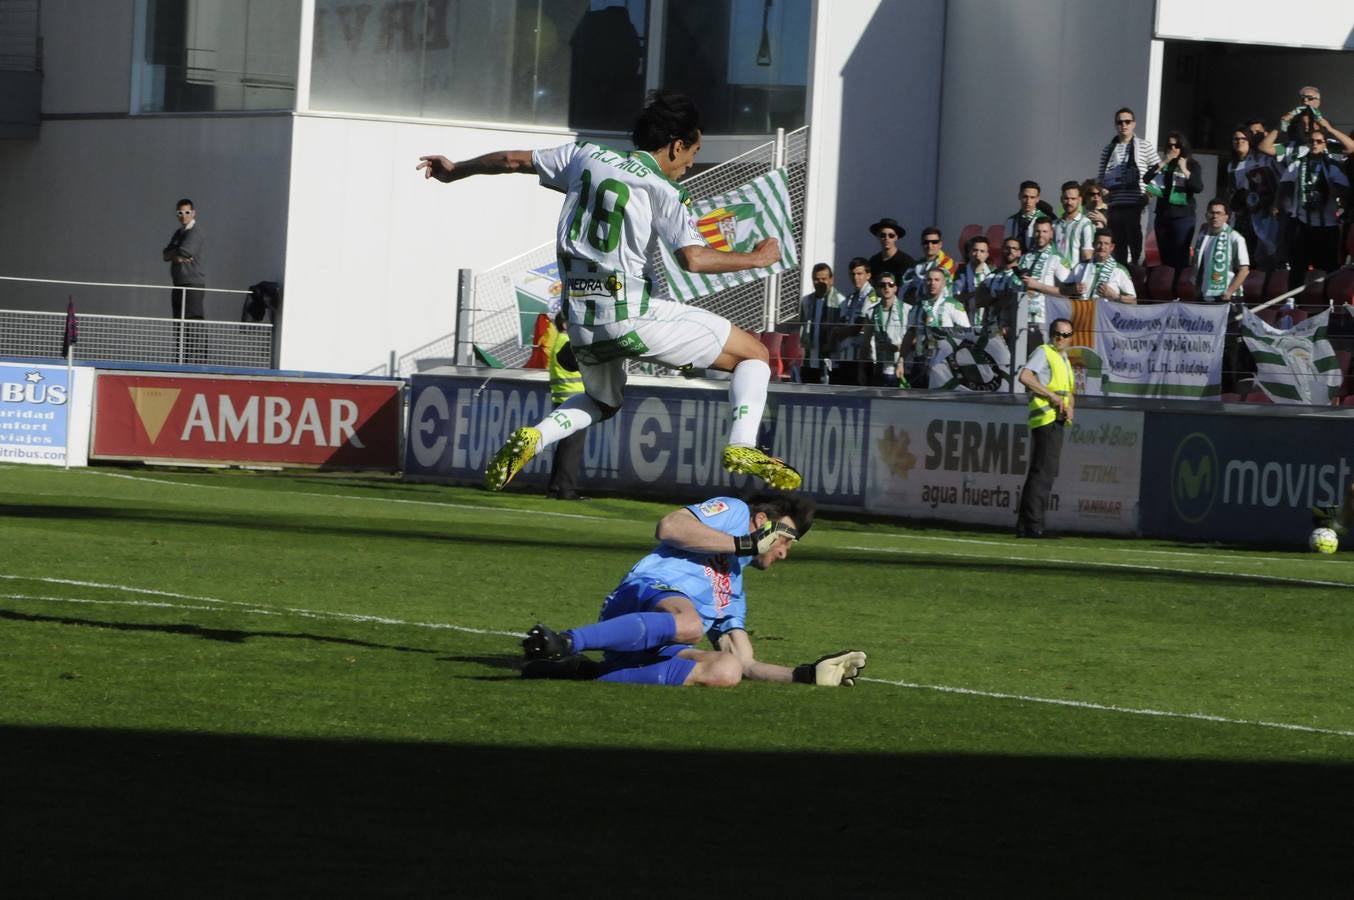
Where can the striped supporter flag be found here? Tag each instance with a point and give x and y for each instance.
(736, 221)
(1294, 365)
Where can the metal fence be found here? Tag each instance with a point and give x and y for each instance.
(496, 325)
(137, 339)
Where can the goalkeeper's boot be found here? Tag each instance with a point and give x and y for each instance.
(573, 668)
(751, 461)
(542, 643)
(521, 446)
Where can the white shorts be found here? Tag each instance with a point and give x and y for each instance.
(670, 333)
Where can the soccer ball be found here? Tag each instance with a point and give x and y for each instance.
(1324, 540)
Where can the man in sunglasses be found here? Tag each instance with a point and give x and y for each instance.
(1122, 163)
(1047, 376)
(691, 587)
(1310, 190)
(933, 257)
(184, 255)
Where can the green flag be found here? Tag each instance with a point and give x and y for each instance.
(735, 222)
(1296, 365)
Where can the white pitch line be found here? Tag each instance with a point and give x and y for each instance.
(438, 503)
(1134, 550)
(1281, 579)
(444, 626)
(1105, 707)
(261, 609)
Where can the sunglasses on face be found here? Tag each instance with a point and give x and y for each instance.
(888, 234)
(930, 240)
(1123, 121)
(887, 284)
(1062, 335)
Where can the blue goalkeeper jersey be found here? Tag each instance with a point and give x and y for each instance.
(713, 582)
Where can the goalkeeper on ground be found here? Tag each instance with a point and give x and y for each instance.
(689, 586)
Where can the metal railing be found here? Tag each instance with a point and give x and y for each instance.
(135, 339)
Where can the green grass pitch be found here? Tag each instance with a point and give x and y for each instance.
(222, 683)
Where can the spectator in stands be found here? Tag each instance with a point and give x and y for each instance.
(1253, 179)
(1102, 275)
(1043, 272)
(933, 256)
(850, 354)
(1021, 224)
(936, 308)
(1309, 188)
(889, 258)
(996, 296)
(817, 318)
(1073, 234)
(1221, 261)
(971, 275)
(186, 273)
(1122, 163)
(885, 331)
(1174, 182)
(1094, 204)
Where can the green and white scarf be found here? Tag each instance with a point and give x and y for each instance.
(1212, 280)
(1103, 272)
(1163, 184)
(1311, 179)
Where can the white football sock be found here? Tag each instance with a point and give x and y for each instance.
(574, 414)
(747, 401)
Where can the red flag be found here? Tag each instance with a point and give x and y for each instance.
(72, 332)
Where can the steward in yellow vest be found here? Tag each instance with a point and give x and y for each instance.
(1047, 376)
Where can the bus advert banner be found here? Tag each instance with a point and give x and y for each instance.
(332, 423)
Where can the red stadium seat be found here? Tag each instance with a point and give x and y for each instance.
(1340, 286)
(995, 235)
(1185, 287)
(1348, 401)
(1276, 284)
(1268, 315)
(1344, 357)
(1161, 283)
(969, 232)
(1229, 398)
(1313, 297)
(792, 353)
(773, 341)
(1254, 286)
(1258, 397)
(1151, 255)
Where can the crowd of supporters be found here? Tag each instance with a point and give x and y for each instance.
(1279, 217)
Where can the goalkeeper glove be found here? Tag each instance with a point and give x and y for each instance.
(763, 539)
(834, 670)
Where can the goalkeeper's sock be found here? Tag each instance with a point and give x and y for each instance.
(747, 400)
(574, 414)
(670, 672)
(636, 631)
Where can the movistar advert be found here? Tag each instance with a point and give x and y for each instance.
(1245, 479)
(44, 419)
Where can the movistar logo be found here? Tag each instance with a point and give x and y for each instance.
(1194, 478)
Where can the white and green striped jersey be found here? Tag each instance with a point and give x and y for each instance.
(1071, 236)
(618, 206)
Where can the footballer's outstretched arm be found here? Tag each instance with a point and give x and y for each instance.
(834, 670)
(500, 162)
(739, 644)
(708, 261)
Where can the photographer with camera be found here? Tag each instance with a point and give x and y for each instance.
(1309, 191)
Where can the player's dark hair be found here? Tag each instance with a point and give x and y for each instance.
(1030, 184)
(931, 229)
(778, 504)
(1071, 186)
(185, 202)
(858, 261)
(822, 267)
(1104, 232)
(979, 239)
(667, 116)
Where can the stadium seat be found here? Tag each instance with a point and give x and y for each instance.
(969, 232)
(1348, 401)
(1151, 255)
(1340, 286)
(1254, 286)
(1161, 283)
(773, 341)
(995, 235)
(1344, 357)
(1185, 289)
(1296, 315)
(1268, 315)
(792, 355)
(1313, 296)
(1229, 397)
(1275, 284)
(1258, 397)
(1139, 276)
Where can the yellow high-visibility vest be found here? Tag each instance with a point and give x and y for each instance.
(564, 383)
(1060, 382)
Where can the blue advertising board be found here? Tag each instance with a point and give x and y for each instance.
(666, 438)
(1242, 478)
